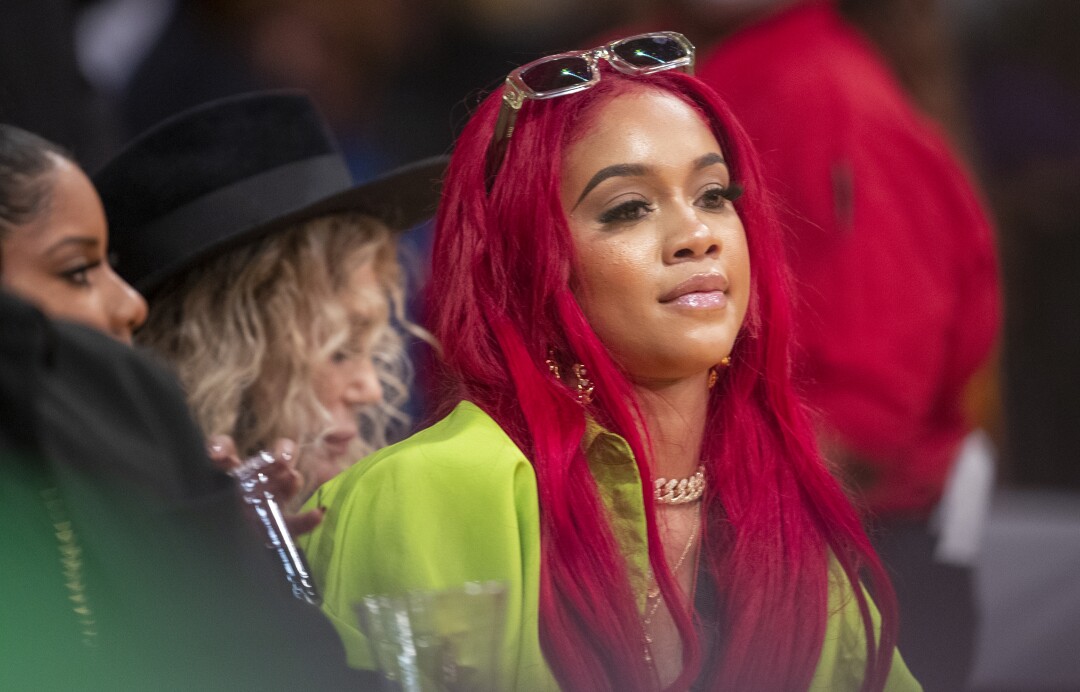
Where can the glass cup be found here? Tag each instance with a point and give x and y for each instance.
(437, 641)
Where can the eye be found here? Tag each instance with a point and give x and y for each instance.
(717, 196)
(358, 345)
(631, 210)
(80, 275)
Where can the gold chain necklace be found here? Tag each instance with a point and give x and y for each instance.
(680, 491)
(652, 592)
(71, 564)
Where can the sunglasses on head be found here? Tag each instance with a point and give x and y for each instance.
(569, 73)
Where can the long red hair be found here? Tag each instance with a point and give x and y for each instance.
(501, 295)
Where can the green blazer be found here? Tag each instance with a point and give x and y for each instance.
(457, 502)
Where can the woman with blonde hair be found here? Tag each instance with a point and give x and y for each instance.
(272, 279)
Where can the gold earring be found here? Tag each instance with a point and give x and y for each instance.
(583, 387)
(552, 365)
(714, 373)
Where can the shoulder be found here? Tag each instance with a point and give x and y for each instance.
(459, 489)
(843, 650)
(455, 502)
(806, 70)
(93, 404)
(465, 452)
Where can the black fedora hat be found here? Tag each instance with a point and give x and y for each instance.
(234, 170)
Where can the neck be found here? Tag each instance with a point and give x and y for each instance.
(674, 416)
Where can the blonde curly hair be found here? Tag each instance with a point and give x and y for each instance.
(246, 330)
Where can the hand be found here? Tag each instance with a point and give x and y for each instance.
(282, 478)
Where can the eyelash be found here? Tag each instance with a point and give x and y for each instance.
(80, 275)
(632, 210)
(729, 194)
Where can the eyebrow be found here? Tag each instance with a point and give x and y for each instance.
(709, 160)
(86, 241)
(619, 169)
(637, 169)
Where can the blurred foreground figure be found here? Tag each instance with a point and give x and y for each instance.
(128, 563)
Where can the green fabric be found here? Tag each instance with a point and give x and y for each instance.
(458, 502)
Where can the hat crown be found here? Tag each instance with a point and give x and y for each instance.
(234, 170)
(208, 148)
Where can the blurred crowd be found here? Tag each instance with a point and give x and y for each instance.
(396, 80)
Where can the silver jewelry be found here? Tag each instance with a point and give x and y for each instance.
(680, 491)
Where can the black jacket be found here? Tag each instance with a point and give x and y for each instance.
(181, 593)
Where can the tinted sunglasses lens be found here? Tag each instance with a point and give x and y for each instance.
(557, 74)
(650, 51)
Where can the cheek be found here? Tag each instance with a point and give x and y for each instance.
(614, 295)
(740, 270)
(605, 288)
(324, 384)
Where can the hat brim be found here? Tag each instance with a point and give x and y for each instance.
(401, 198)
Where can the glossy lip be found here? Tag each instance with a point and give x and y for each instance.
(711, 283)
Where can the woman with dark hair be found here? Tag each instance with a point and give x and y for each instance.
(622, 445)
(54, 240)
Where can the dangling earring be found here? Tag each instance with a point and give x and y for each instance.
(552, 365)
(714, 373)
(583, 386)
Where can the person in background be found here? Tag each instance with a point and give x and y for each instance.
(272, 278)
(54, 240)
(54, 253)
(41, 86)
(127, 557)
(622, 445)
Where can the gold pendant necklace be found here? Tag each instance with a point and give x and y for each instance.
(652, 591)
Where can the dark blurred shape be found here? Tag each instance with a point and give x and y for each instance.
(343, 54)
(1024, 82)
(128, 562)
(41, 88)
(917, 41)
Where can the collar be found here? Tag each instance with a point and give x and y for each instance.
(615, 470)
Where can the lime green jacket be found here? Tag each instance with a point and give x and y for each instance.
(457, 502)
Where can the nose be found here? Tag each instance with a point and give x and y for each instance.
(363, 387)
(126, 307)
(690, 237)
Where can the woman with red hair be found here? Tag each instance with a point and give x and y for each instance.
(622, 444)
